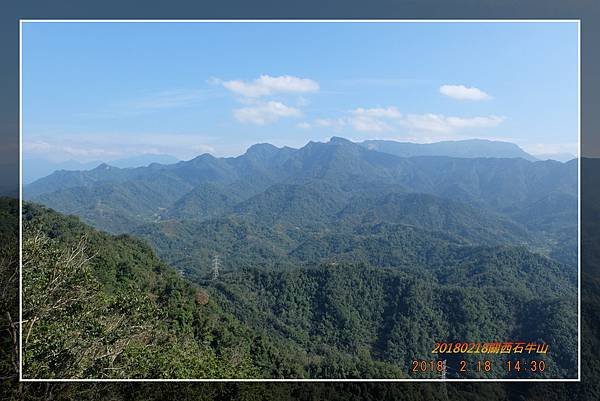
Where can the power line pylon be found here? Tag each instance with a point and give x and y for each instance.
(216, 267)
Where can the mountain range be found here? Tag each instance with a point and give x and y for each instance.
(316, 186)
(340, 260)
(35, 168)
(468, 148)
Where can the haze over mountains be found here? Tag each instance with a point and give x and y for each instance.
(469, 148)
(36, 168)
(561, 157)
(521, 201)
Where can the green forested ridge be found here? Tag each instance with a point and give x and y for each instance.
(206, 187)
(336, 261)
(298, 225)
(338, 319)
(290, 196)
(387, 315)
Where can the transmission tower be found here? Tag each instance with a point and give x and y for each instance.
(216, 267)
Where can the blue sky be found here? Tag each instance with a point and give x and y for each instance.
(102, 91)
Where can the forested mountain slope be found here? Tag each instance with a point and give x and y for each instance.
(104, 306)
(338, 320)
(309, 190)
(334, 260)
(503, 184)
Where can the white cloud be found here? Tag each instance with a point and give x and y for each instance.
(373, 120)
(551, 148)
(387, 82)
(390, 119)
(167, 100)
(267, 85)
(333, 123)
(388, 112)
(304, 125)
(264, 113)
(302, 101)
(441, 123)
(78, 151)
(91, 146)
(462, 92)
(366, 120)
(150, 103)
(368, 124)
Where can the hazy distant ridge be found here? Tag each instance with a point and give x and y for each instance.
(469, 148)
(34, 169)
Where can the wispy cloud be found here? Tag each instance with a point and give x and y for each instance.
(365, 124)
(373, 120)
(264, 113)
(152, 102)
(266, 85)
(551, 148)
(334, 123)
(108, 146)
(379, 112)
(166, 100)
(304, 125)
(440, 123)
(387, 82)
(461, 92)
(391, 119)
(68, 151)
(363, 119)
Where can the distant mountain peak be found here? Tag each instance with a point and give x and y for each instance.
(203, 156)
(338, 139)
(103, 166)
(261, 149)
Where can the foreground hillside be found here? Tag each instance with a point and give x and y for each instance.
(109, 299)
(104, 306)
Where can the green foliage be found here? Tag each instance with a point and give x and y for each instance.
(335, 320)
(373, 321)
(9, 289)
(100, 306)
(517, 201)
